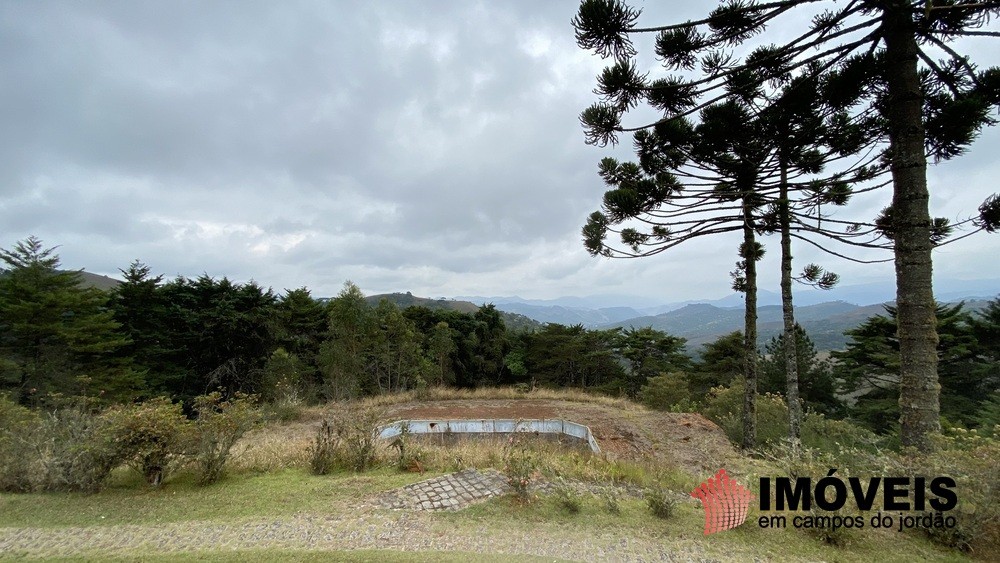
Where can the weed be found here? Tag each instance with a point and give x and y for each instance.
(322, 454)
(519, 466)
(660, 502)
(612, 502)
(410, 457)
(567, 498)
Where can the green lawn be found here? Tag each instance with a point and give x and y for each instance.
(251, 496)
(128, 501)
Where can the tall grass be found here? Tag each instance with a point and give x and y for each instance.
(499, 393)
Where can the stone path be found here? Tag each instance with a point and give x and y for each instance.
(448, 492)
(456, 491)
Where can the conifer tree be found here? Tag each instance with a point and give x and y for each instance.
(56, 336)
(878, 58)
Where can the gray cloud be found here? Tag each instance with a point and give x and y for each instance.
(404, 146)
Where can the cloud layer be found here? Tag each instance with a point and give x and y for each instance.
(432, 148)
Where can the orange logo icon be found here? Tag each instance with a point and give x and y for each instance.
(725, 501)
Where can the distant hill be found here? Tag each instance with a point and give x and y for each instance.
(571, 315)
(824, 322)
(404, 300)
(96, 280)
(87, 279)
(513, 321)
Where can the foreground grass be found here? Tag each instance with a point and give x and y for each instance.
(350, 556)
(128, 501)
(269, 496)
(683, 532)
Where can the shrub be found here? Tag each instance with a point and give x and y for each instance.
(971, 460)
(724, 406)
(660, 502)
(612, 502)
(217, 427)
(150, 436)
(833, 436)
(349, 441)
(519, 467)
(567, 498)
(17, 456)
(665, 391)
(75, 450)
(283, 386)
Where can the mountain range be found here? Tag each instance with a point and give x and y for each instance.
(825, 315)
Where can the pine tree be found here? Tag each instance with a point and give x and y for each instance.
(869, 367)
(56, 336)
(817, 387)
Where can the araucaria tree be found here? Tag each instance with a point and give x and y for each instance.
(878, 59)
(735, 171)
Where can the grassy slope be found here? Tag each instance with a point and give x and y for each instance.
(255, 491)
(272, 495)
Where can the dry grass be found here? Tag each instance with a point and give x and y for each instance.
(499, 393)
(281, 445)
(286, 445)
(274, 447)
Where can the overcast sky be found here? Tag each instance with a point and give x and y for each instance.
(431, 147)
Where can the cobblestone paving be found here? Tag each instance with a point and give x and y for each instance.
(448, 492)
(455, 491)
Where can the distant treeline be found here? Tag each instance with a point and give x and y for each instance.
(184, 337)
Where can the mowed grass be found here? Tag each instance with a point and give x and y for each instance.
(242, 496)
(349, 556)
(271, 495)
(683, 532)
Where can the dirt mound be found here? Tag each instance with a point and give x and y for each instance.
(685, 440)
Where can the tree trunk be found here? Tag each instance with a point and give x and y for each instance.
(749, 332)
(788, 315)
(917, 331)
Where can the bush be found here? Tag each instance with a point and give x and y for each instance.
(219, 424)
(75, 450)
(660, 502)
(724, 406)
(666, 391)
(150, 436)
(282, 385)
(567, 498)
(17, 454)
(519, 467)
(349, 441)
(833, 436)
(971, 460)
